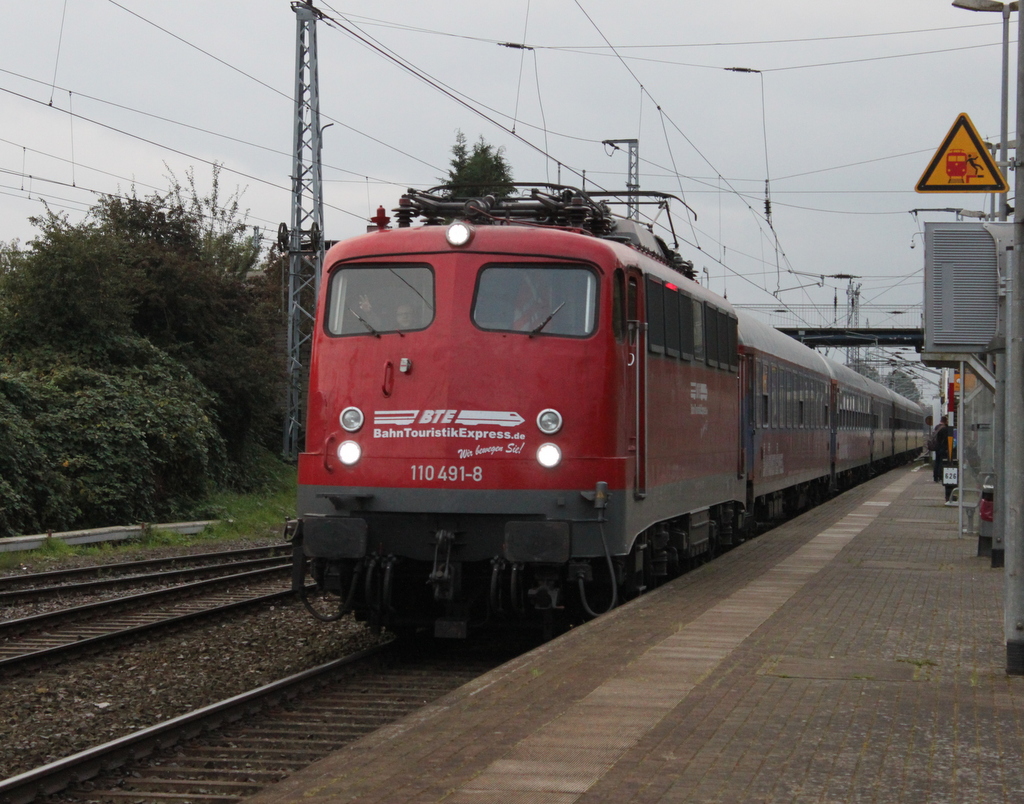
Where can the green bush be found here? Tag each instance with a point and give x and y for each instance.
(101, 448)
(139, 365)
(32, 494)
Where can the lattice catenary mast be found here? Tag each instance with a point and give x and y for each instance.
(304, 239)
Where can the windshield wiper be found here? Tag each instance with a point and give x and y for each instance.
(544, 323)
(366, 324)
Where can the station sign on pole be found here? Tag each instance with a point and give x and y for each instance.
(962, 164)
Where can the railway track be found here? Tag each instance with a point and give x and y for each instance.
(225, 752)
(29, 641)
(89, 580)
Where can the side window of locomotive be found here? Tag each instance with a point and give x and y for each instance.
(711, 335)
(536, 298)
(685, 326)
(698, 330)
(655, 316)
(671, 321)
(370, 299)
(732, 339)
(619, 306)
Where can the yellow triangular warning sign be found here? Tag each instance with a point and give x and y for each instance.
(962, 164)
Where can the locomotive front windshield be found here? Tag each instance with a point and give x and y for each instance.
(367, 299)
(536, 298)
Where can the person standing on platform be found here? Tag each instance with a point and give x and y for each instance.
(942, 435)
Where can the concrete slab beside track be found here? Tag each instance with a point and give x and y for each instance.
(94, 535)
(854, 654)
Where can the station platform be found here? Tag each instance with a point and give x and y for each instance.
(854, 654)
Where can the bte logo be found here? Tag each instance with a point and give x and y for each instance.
(469, 418)
(698, 391)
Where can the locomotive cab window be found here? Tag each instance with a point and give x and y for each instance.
(536, 298)
(371, 299)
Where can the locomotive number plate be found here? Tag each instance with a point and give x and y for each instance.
(449, 473)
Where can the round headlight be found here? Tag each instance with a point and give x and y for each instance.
(549, 421)
(349, 453)
(458, 234)
(351, 419)
(549, 455)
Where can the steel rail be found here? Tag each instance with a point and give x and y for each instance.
(39, 621)
(66, 649)
(175, 575)
(126, 567)
(84, 765)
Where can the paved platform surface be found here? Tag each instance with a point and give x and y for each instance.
(855, 654)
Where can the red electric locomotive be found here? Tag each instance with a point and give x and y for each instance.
(523, 408)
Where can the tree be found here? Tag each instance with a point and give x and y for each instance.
(482, 171)
(139, 363)
(902, 382)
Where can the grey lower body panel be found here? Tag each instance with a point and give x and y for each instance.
(495, 522)
(558, 524)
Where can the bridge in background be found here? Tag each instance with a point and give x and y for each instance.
(824, 325)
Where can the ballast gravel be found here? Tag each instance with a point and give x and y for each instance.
(76, 705)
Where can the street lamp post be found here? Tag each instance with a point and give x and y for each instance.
(1013, 616)
(1005, 9)
(1009, 374)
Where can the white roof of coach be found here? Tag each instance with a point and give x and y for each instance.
(765, 338)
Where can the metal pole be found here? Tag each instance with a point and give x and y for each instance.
(306, 242)
(1014, 537)
(1004, 122)
(633, 183)
(632, 177)
(960, 451)
(999, 498)
(998, 555)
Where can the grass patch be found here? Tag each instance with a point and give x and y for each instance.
(919, 662)
(259, 515)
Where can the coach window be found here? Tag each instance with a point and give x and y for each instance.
(371, 299)
(762, 386)
(790, 415)
(794, 399)
(655, 316)
(774, 392)
(781, 395)
(536, 298)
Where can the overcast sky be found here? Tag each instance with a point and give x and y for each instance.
(851, 101)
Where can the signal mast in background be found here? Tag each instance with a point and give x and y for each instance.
(304, 239)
